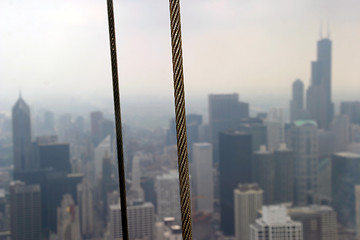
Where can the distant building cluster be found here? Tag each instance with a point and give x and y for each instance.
(254, 175)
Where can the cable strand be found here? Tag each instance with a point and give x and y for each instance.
(119, 141)
(179, 96)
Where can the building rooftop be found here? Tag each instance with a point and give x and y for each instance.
(312, 209)
(300, 123)
(248, 188)
(347, 155)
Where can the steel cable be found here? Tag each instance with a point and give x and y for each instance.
(179, 95)
(119, 141)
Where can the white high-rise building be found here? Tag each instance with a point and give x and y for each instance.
(275, 131)
(86, 206)
(203, 177)
(275, 224)
(140, 221)
(167, 195)
(68, 222)
(248, 200)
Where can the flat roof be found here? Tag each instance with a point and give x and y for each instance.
(347, 154)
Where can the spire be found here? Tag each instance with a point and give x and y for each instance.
(321, 30)
(20, 96)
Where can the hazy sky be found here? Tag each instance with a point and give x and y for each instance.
(58, 49)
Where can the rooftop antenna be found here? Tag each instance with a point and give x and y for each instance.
(320, 30)
(328, 29)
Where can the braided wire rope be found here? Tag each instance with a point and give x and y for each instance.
(119, 141)
(179, 95)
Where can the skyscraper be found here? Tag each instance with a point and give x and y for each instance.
(225, 112)
(235, 167)
(248, 200)
(304, 143)
(55, 155)
(25, 210)
(264, 173)
(297, 111)
(275, 224)
(203, 177)
(319, 103)
(340, 126)
(140, 221)
(85, 195)
(167, 195)
(284, 175)
(68, 221)
(21, 128)
(344, 177)
(352, 109)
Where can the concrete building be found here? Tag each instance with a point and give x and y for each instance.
(102, 149)
(167, 195)
(275, 224)
(68, 220)
(202, 168)
(235, 166)
(297, 111)
(25, 211)
(248, 200)
(319, 222)
(304, 143)
(85, 197)
(140, 221)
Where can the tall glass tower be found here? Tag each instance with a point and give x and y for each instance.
(319, 102)
(21, 135)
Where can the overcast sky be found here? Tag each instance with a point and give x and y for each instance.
(58, 49)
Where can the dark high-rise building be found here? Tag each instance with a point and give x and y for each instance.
(235, 167)
(25, 210)
(193, 122)
(55, 155)
(344, 177)
(53, 185)
(297, 111)
(225, 112)
(264, 173)
(284, 175)
(319, 104)
(258, 132)
(21, 128)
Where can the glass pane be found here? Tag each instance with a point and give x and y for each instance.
(273, 120)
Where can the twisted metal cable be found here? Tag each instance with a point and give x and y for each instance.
(179, 96)
(119, 141)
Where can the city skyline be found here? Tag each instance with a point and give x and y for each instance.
(272, 121)
(243, 38)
